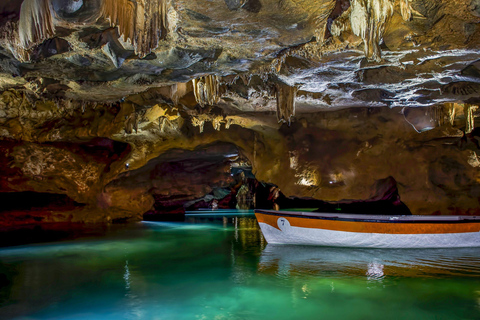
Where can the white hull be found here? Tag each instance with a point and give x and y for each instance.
(311, 236)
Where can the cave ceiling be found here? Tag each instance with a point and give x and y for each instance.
(334, 53)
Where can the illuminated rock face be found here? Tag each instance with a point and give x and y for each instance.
(321, 98)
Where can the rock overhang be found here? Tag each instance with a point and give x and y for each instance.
(102, 51)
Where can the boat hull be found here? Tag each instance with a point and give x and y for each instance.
(336, 230)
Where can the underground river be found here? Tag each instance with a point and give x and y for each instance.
(219, 267)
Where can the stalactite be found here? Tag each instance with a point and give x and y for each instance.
(206, 90)
(285, 102)
(217, 123)
(245, 78)
(229, 122)
(144, 22)
(36, 22)
(131, 123)
(473, 160)
(9, 39)
(162, 122)
(198, 122)
(406, 10)
(178, 91)
(451, 114)
(321, 12)
(443, 115)
(368, 20)
(277, 64)
(341, 23)
(469, 118)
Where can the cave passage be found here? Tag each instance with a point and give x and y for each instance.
(231, 186)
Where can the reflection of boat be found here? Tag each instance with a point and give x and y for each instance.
(369, 231)
(285, 259)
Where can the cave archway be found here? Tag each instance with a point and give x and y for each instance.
(211, 176)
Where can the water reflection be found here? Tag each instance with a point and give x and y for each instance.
(222, 269)
(375, 264)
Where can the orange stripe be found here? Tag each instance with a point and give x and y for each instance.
(372, 227)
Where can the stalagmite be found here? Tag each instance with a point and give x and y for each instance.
(206, 90)
(144, 22)
(36, 22)
(285, 102)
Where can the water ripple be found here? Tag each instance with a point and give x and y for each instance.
(373, 263)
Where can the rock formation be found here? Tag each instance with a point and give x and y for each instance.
(113, 109)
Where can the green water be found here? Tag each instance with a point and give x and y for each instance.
(210, 268)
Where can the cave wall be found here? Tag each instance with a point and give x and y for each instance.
(338, 155)
(117, 160)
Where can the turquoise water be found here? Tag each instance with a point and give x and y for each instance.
(220, 268)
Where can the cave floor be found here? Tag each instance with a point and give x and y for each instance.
(221, 268)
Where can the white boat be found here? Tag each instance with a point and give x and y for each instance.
(368, 231)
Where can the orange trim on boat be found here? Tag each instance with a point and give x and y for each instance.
(372, 227)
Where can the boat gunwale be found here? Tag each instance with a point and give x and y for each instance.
(372, 218)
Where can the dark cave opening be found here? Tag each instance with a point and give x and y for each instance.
(216, 176)
(245, 192)
(32, 205)
(26, 217)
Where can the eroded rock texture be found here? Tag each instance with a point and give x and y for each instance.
(120, 108)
